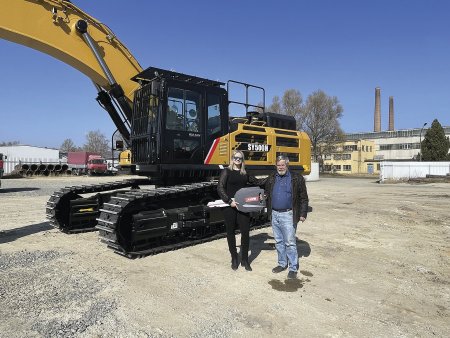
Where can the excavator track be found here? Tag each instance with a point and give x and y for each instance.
(70, 212)
(140, 222)
(174, 218)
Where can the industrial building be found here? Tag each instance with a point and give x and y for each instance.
(352, 157)
(393, 145)
(397, 145)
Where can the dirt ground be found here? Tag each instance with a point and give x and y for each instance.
(374, 263)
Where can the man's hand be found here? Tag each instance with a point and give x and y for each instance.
(302, 219)
(233, 204)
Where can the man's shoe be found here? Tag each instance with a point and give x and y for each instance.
(278, 269)
(292, 275)
(246, 265)
(234, 262)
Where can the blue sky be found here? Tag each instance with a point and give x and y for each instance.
(346, 48)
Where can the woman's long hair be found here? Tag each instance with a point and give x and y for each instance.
(231, 165)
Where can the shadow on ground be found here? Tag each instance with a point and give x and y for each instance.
(289, 285)
(258, 243)
(6, 190)
(13, 234)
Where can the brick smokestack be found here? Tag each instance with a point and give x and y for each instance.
(377, 115)
(391, 113)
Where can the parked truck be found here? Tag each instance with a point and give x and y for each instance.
(2, 158)
(86, 163)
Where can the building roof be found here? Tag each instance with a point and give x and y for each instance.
(390, 134)
(25, 145)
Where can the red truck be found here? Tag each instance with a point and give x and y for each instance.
(86, 163)
(1, 166)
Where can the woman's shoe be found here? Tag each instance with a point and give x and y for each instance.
(234, 261)
(246, 265)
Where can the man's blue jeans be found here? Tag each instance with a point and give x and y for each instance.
(285, 240)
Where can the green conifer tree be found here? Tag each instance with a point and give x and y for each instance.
(435, 145)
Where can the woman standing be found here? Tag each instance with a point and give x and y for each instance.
(231, 180)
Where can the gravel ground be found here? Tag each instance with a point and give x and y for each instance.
(374, 262)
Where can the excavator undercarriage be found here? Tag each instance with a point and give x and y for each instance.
(142, 220)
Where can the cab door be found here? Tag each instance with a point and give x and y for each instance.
(183, 137)
(216, 111)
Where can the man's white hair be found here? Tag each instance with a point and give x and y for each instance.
(282, 158)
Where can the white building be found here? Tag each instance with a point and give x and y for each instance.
(395, 145)
(27, 154)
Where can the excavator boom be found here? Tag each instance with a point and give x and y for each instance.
(50, 27)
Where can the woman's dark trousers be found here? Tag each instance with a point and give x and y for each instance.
(233, 218)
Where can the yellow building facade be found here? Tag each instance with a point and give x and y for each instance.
(352, 157)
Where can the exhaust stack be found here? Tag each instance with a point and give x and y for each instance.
(391, 113)
(377, 115)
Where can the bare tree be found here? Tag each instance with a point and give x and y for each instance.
(292, 102)
(97, 142)
(275, 107)
(67, 145)
(321, 115)
(258, 109)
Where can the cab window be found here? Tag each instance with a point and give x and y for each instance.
(214, 123)
(183, 110)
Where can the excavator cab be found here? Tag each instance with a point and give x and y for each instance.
(176, 118)
(182, 131)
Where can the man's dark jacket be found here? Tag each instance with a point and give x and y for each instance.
(299, 195)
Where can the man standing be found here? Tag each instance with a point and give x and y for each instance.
(287, 203)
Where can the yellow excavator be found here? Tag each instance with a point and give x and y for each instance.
(178, 129)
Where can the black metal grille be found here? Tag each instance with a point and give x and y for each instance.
(286, 132)
(293, 157)
(254, 128)
(256, 156)
(251, 138)
(287, 142)
(145, 112)
(141, 150)
(144, 126)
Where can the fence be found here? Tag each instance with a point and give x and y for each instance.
(14, 164)
(314, 175)
(406, 170)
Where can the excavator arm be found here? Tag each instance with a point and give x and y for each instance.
(62, 30)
